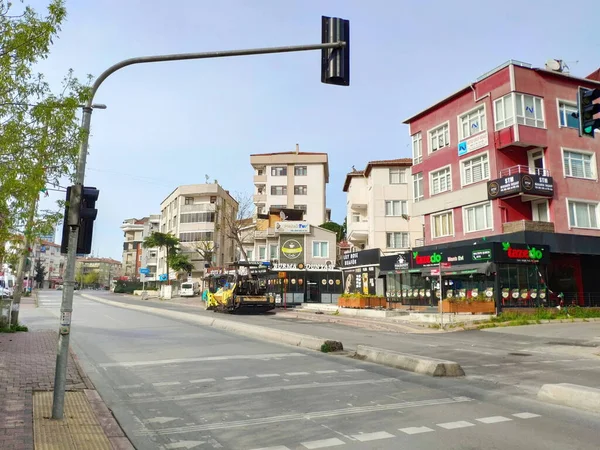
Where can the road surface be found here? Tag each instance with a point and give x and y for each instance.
(174, 385)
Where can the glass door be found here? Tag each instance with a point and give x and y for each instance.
(536, 162)
(540, 211)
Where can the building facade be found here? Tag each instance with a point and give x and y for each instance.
(48, 254)
(135, 256)
(379, 210)
(293, 180)
(502, 160)
(199, 215)
(106, 268)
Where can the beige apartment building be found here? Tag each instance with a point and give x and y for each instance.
(198, 215)
(135, 256)
(106, 268)
(379, 207)
(294, 180)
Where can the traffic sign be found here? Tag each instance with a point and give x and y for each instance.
(162, 277)
(144, 270)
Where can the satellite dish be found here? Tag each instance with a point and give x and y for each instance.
(553, 64)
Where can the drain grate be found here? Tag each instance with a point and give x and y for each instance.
(520, 354)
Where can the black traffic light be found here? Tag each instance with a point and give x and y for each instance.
(587, 109)
(85, 218)
(335, 62)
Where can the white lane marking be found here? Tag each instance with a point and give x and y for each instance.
(161, 362)
(366, 437)
(415, 430)
(185, 444)
(241, 377)
(325, 371)
(510, 364)
(268, 375)
(323, 443)
(547, 362)
(278, 447)
(491, 365)
(564, 360)
(302, 416)
(472, 351)
(129, 386)
(530, 362)
(494, 419)
(166, 383)
(203, 380)
(294, 374)
(455, 425)
(354, 370)
(161, 419)
(526, 415)
(140, 394)
(467, 367)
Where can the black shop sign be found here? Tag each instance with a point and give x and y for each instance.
(362, 258)
(520, 183)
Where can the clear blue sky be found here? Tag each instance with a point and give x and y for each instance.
(171, 123)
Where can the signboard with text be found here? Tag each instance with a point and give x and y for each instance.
(291, 249)
(472, 144)
(362, 258)
(292, 227)
(520, 183)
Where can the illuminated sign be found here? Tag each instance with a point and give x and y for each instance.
(523, 254)
(434, 258)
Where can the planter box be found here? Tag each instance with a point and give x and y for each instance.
(468, 307)
(362, 302)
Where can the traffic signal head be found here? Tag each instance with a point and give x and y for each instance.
(335, 62)
(87, 213)
(587, 109)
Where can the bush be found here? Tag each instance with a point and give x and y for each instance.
(127, 287)
(14, 328)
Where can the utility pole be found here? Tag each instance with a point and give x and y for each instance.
(335, 58)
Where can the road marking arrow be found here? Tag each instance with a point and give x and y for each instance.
(185, 444)
(162, 420)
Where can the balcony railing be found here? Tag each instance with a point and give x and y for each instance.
(524, 169)
(198, 207)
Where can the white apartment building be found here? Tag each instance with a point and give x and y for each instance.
(198, 215)
(379, 204)
(135, 256)
(294, 180)
(48, 253)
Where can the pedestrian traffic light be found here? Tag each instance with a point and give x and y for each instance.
(84, 220)
(335, 62)
(587, 109)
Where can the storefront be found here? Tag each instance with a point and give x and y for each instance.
(361, 272)
(509, 274)
(305, 283)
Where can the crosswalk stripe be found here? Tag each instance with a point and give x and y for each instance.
(366, 437)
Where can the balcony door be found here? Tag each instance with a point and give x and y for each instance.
(540, 211)
(535, 159)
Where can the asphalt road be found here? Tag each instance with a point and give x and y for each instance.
(174, 385)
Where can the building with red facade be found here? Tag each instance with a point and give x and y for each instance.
(501, 160)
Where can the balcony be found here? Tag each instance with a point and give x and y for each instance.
(259, 198)
(358, 206)
(199, 207)
(260, 179)
(530, 183)
(527, 225)
(358, 232)
(529, 137)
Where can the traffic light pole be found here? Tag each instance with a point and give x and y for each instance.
(66, 308)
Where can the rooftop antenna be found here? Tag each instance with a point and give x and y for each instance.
(206, 177)
(297, 148)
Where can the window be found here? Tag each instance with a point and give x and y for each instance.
(396, 208)
(260, 172)
(262, 253)
(529, 110)
(397, 175)
(279, 171)
(565, 115)
(355, 218)
(152, 254)
(478, 217)
(417, 148)
(583, 214)
(278, 190)
(503, 111)
(300, 190)
(441, 181)
(320, 249)
(250, 255)
(579, 165)
(418, 194)
(273, 251)
(197, 217)
(301, 207)
(196, 236)
(397, 240)
(472, 122)
(476, 169)
(189, 200)
(442, 225)
(300, 171)
(279, 206)
(439, 138)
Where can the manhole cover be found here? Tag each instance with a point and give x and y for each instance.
(520, 354)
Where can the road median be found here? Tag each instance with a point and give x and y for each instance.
(572, 395)
(412, 363)
(255, 331)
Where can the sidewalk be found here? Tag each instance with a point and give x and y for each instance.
(27, 364)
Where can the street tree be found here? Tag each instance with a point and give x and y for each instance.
(91, 278)
(336, 228)
(40, 273)
(180, 263)
(165, 241)
(234, 225)
(206, 250)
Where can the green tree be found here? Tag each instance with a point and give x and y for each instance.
(91, 278)
(40, 272)
(165, 241)
(336, 228)
(180, 263)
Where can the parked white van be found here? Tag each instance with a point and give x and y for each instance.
(190, 289)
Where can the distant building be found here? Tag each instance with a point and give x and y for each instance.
(50, 237)
(198, 215)
(48, 254)
(293, 180)
(107, 269)
(135, 256)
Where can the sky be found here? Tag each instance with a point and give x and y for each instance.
(168, 124)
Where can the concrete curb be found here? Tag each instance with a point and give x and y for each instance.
(412, 363)
(572, 395)
(255, 331)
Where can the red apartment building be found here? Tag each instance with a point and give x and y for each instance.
(501, 160)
